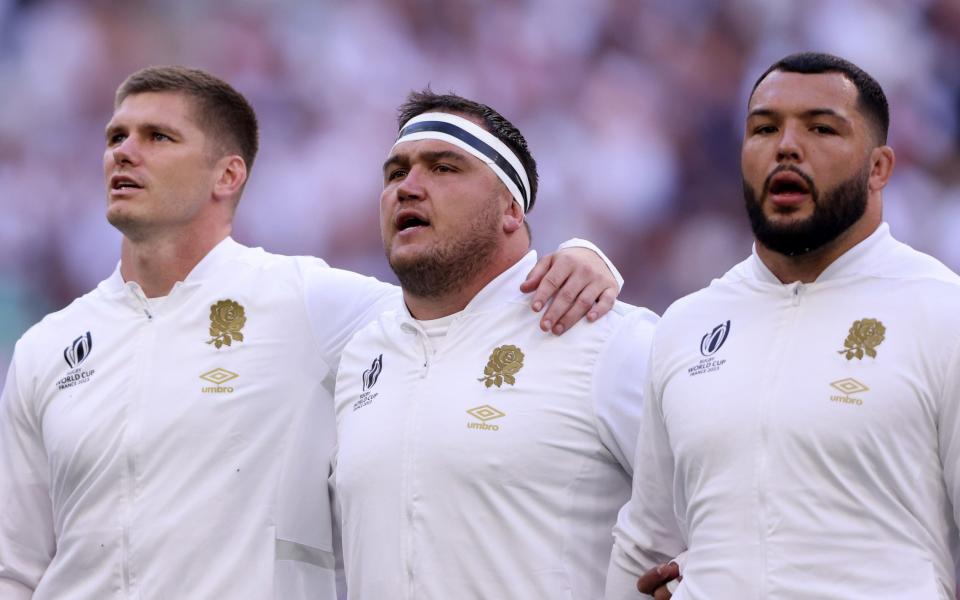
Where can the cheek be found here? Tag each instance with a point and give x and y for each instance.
(750, 159)
(386, 213)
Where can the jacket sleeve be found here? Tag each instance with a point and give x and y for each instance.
(618, 384)
(339, 303)
(26, 518)
(647, 533)
(948, 430)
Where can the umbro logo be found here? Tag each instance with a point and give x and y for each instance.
(79, 350)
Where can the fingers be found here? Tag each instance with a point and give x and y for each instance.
(576, 282)
(662, 593)
(543, 281)
(571, 304)
(567, 279)
(603, 305)
(655, 579)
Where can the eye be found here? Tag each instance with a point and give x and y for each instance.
(160, 137)
(764, 129)
(444, 168)
(823, 129)
(396, 174)
(116, 138)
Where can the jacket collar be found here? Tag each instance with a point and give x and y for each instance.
(220, 254)
(859, 260)
(504, 288)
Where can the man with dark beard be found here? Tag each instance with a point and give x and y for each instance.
(801, 432)
(478, 457)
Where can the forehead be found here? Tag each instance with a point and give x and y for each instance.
(799, 92)
(173, 108)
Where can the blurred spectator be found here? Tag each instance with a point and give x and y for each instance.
(634, 108)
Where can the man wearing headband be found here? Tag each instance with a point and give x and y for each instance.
(478, 457)
(168, 435)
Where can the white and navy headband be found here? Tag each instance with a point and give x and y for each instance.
(477, 141)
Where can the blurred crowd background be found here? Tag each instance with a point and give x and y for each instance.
(633, 109)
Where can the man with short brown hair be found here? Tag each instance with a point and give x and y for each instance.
(168, 434)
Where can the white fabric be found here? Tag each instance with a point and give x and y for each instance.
(135, 483)
(780, 484)
(520, 196)
(437, 503)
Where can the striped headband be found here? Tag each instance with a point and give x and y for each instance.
(475, 140)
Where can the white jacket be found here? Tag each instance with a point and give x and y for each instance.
(465, 470)
(803, 440)
(139, 460)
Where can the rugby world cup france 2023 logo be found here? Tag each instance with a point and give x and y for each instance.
(714, 340)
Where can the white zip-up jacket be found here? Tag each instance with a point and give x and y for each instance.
(179, 448)
(488, 462)
(802, 440)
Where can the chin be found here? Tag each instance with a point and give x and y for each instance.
(405, 255)
(124, 221)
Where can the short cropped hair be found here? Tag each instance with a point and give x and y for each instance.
(223, 112)
(426, 101)
(870, 97)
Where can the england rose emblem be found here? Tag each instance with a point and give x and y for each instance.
(227, 319)
(504, 363)
(864, 337)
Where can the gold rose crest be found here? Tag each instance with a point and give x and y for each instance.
(864, 337)
(504, 363)
(227, 319)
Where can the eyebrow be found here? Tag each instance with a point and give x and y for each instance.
(113, 129)
(813, 112)
(428, 156)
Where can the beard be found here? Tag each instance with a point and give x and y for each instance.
(439, 270)
(833, 213)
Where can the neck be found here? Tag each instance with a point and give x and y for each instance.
(156, 264)
(807, 268)
(425, 308)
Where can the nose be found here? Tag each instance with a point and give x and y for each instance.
(412, 186)
(126, 152)
(789, 148)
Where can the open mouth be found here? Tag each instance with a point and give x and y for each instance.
(410, 220)
(788, 184)
(122, 182)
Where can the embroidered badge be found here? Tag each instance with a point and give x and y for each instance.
(504, 363)
(864, 337)
(226, 322)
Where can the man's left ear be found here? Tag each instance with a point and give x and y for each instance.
(512, 217)
(233, 174)
(882, 161)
